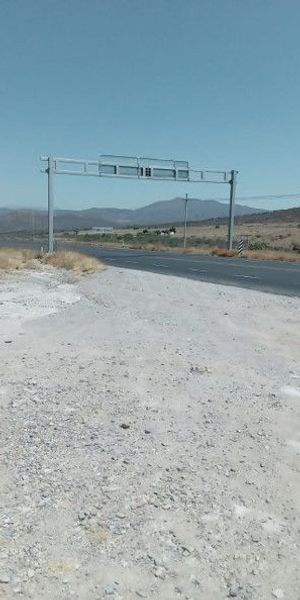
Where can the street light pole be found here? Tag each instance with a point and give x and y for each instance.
(185, 220)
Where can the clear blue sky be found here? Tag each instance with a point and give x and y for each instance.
(215, 82)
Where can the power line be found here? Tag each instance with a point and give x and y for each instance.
(266, 197)
(270, 197)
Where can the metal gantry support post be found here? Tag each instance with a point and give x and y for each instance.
(231, 209)
(50, 204)
(185, 220)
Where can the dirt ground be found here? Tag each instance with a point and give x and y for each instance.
(150, 439)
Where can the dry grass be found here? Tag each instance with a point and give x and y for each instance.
(272, 255)
(224, 252)
(73, 261)
(13, 259)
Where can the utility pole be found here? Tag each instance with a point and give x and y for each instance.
(185, 218)
(50, 203)
(33, 224)
(231, 210)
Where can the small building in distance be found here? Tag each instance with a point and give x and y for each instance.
(102, 229)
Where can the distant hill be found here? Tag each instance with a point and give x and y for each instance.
(168, 211)
(4, 211)
(287, 215)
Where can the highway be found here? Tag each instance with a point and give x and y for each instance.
(267, 276)
(274, 277)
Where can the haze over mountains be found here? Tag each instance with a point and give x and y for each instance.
(158, 213)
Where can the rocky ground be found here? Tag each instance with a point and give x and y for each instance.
(150, 439)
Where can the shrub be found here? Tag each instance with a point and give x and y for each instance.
(128, 237)
(257, 245)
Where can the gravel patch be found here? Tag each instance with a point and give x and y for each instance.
(149, 439)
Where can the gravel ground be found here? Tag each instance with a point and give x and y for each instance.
(150, 439)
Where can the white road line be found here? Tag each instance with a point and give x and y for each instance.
(226, 263)
(159, 265)
(197, 270)
(245, 276)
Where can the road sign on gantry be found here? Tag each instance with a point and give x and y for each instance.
(146, 168)
(132, 167)
(123, 166)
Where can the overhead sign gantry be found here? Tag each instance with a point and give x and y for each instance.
(132, 167)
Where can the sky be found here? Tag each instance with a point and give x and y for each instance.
(213, 82)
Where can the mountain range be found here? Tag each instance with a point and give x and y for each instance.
(157, 213)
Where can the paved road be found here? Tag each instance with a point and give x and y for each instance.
(274, 277)
(280, 278)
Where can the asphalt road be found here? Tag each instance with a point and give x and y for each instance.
(280, 278)
(267, 276)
